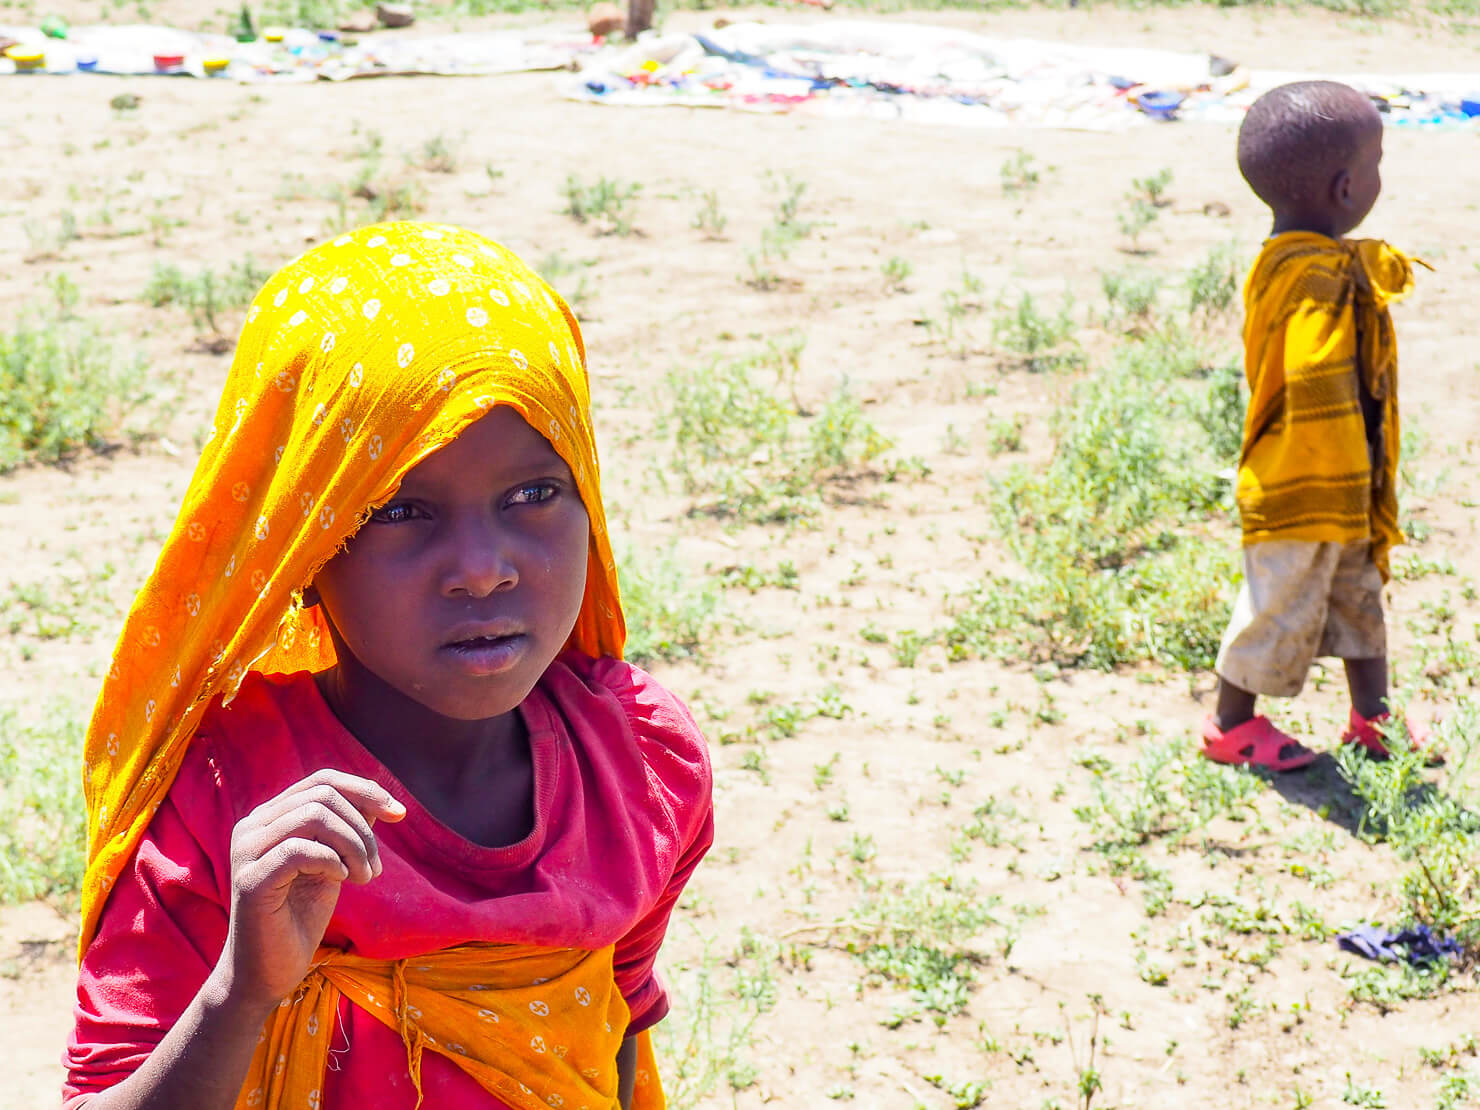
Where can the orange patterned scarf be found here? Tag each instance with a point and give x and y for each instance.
(538, 1027)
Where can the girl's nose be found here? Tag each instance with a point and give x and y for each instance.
(479, 558)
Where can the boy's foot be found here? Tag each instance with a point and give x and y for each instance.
(1257, 743)
(1366, 734)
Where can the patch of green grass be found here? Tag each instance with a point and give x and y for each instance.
(669, 613)
(918, 936)
(1437, 832)
(316, 15)
(749, 577)
(65, 387)
(707, 1041)
(205, 294)
(1131, 297)
(1167, 792)
(43, 824)
(745, 448)
(1120, 562)
(1212, 285)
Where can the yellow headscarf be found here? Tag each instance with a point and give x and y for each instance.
(357, 361)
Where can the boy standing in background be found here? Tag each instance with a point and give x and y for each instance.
(1318, 469)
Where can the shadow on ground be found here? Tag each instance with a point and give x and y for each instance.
(1323, 789)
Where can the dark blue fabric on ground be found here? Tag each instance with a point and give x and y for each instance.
(1416, 946)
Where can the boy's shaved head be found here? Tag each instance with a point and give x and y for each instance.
(1297, 137)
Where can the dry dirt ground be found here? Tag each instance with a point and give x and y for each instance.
(876, 797)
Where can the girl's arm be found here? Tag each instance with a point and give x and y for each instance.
(626, 1071)
(288, 859)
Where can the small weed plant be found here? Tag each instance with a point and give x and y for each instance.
(1134, 218)
(1153, 187)
(568, 277)
(1131, 298)
(778, 238)
(1213, 283)
(709, 219)
(206, 294)
(439, 154)
(65, 387)
(1038, 340)
(606, 204)
(710, 1044)
(1019, 174)
(896, 273)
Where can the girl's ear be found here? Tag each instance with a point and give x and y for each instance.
(310, 596)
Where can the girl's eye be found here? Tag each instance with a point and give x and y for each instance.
(533, 493)
(394, 513)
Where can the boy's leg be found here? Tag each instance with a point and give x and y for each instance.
(1268, 648)
(1367, 679)
(1235, 705)
(1356, 629)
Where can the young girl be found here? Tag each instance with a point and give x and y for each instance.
(377, 814)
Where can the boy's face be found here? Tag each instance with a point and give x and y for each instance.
(1363, 177)
(459, 591)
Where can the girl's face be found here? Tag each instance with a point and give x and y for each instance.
(459, 591)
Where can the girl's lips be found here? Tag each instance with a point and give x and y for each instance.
(487, 655)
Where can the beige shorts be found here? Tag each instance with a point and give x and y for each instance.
(1301, 600)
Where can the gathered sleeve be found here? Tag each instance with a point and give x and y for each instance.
(161, 932)
(680, 783)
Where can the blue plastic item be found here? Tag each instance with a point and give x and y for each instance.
(87, 63)
(1470, 105)
(1159, 104)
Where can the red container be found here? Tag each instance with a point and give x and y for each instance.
(164, 63)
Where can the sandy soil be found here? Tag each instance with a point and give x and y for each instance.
(207, 173)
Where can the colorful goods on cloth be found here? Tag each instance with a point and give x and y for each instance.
(538, 1027)
(357, 361)
(1317, 331)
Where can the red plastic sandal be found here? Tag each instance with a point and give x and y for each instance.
(1364, 732)
(1255, 742)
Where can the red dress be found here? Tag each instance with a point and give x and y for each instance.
(622, 815)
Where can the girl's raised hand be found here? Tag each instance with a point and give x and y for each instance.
(288, 859)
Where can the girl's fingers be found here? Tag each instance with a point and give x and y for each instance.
(339, 827)
(368, 798)
(287, 861)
